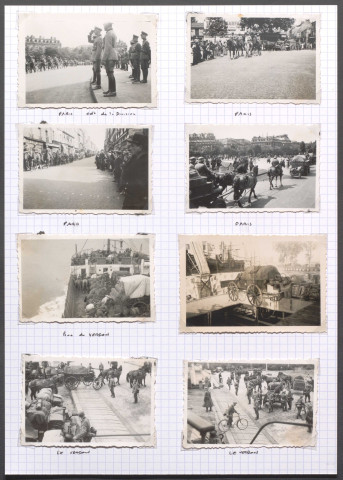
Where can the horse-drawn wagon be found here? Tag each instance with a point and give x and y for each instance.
(75, 374)
(259, 282)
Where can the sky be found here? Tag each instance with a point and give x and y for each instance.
(45, 267)
(297, 133)
(298, 18)
(261, 248)
(72, 29)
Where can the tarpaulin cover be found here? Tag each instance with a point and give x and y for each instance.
(76, 370)
(136, 286)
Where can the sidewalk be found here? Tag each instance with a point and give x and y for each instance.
(127, 92)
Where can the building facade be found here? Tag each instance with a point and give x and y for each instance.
(33, 42)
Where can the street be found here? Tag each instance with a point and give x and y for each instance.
(283, 75)
(72, 85)
(222, 397)
(294, 192)
(74, 186)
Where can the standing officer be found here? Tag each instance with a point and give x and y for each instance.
(130, 58)
(135, 390)
(250, 391)
(289, 399)
(145, 57)
(236, 386)
(112, 384)
(135, 58)
(307, 393)
(94, 37)
(109, 58)
(256, 406)
(136, 174)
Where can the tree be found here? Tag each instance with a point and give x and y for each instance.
(302, 147)
(268, 24)
(289, 251)
(217, 27)
(257, 149)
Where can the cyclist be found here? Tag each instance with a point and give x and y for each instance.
(229, 413)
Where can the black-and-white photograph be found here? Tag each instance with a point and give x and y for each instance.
(265, 403)
(87, 59)
(235, 58)
(259, 167)
(84, 169)
(88, 402)
(252, 283)
(80, 278)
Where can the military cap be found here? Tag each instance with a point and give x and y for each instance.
(108, 25)
(135, 37)
(144, 33)
(98, 28)
(81, 414)
(138, 139)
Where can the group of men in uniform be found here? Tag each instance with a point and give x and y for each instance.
(130, 169)
(105, 52)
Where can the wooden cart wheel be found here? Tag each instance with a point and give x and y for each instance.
(88, 380)
(254, 295)
(71, 383)
(97, 384)
(232, 291)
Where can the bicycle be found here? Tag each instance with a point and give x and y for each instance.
(241, 423)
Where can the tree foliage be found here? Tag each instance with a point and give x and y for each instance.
(216, 27)
(267, 24)
(290, 251)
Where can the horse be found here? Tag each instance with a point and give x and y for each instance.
(244, 182)
(115, 373)
(232, 47)
(285, 378)
(139, 374)
(240, 47)
(248, 48)
(256, 46)
(36, 385)
(275, 171)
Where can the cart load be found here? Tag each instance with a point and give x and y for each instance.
(299, 166)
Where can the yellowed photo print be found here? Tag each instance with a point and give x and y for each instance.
(253, 58)
(87, 60)
(252, 283)
(86, 278)
(255, 403)
(85, 169)
(88, 401)
(264, 168)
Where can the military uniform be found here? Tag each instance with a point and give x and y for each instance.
(109, 57)
(135, 59)
(84, 434)
(96, 57)
(136, 177)
(145, 59)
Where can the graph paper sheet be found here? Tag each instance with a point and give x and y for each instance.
(161, 340)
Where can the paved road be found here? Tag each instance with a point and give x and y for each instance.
(272, 435)
(295, 192)
(72, 85)
(274, 75)
(75, 186)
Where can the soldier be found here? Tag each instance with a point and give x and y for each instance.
(203, 170)
(236, 386)
(145, 57)
(309, 417)
(135, 58)
(229, 382)
(256, 406)
(84, 434)
(109, 57)
(135, 390)
(229, 413)
(283, 399)
(300, 405)
(130, 58)
(136, 174)
(208, 403)
(289, 399)
(307, 393)
(250, 390)
(112, 384)
(94, 37)
(220, 377)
